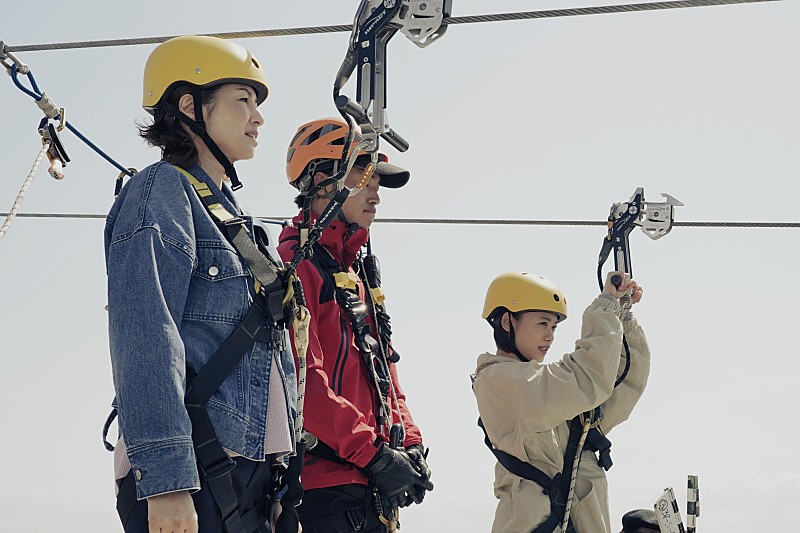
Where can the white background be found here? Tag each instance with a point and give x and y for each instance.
(547, 119)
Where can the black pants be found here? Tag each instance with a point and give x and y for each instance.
(342, 509)
(252, 481)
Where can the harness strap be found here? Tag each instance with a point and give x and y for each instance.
(250, 521)
(556, 488)
(261, 266)
(357, 311)
(214, 462)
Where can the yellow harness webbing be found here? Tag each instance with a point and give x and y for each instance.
(214, 207)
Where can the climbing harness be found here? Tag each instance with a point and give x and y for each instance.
(264, 322)
(341, 285)
(559, 488)
(376, 362)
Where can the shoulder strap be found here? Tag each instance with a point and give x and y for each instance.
(262, 267)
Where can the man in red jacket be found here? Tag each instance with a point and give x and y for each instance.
(365, 456)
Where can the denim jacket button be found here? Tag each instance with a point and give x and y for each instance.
(213, 271)
(137, 474)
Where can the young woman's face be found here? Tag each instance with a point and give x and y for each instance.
(233, 119)
(534, 332)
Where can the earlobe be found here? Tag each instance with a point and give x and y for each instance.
(186, 105)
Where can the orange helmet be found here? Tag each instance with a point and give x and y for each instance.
(323, 140)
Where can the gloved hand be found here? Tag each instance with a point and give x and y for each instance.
(416, 453)
(395, 476)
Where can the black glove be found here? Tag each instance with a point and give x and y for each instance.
(394, 474)
(417, 456)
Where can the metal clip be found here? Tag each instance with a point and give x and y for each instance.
(56, 153)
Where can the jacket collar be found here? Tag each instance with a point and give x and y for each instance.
(338, 239)
(224, 196)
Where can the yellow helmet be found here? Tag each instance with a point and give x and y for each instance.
(521, 291)
(201, 61)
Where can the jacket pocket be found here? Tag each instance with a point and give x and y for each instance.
(219, 288)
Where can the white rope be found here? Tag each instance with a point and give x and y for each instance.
(24, 189)
(301, 322)
(586, 425)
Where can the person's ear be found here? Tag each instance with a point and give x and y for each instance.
(186, 105)
(505, 322)
(319, 176)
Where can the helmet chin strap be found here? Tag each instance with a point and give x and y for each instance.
(198, 127)
(513, 339)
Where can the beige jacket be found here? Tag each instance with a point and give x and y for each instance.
(525, 408)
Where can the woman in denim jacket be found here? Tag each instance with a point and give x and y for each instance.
(177, 289)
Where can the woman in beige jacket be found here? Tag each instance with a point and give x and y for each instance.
(526, 405)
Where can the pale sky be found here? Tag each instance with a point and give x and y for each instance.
(541, 119)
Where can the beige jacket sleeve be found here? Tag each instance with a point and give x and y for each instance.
(618, 408)
(541, 396)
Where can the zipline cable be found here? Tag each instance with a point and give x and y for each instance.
(313, 30)
(473, 221)
(25, 185)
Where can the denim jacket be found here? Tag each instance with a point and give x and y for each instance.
(176, 291)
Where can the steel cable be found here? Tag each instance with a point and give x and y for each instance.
(475, 221)
(472, 19)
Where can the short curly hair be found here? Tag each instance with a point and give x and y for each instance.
(169, 134)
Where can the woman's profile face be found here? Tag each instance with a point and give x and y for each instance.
(232, 121)
(534, 332)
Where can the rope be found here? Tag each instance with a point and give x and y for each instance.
(474, 221)
(315, 30)
(302, 319)
(586, 425)
(13, 213)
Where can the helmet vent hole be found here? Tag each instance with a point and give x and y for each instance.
(556, 298)
(255, 63)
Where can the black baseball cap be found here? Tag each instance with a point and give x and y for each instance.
(392, 176)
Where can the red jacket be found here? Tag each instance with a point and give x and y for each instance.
(339, 403)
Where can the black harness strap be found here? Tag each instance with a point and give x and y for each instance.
(376, 365)
(557, 487)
